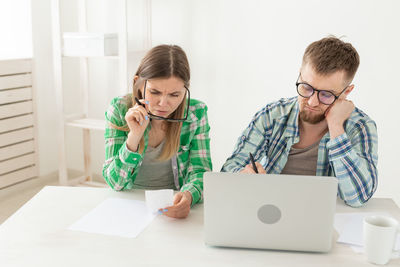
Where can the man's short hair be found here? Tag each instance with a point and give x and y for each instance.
(331, 54)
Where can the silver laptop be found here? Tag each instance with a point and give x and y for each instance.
(269, 211)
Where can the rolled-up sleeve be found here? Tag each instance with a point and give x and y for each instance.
(354, 158)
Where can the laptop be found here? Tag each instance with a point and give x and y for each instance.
(269, 211)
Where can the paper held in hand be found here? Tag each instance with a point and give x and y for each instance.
(159, 199)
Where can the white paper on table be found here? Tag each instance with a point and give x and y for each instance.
(350, 226)
(159, 199)
(116, 216)
(357, 249)
(360, 249)
(350, 229)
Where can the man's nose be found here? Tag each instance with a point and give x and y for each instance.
(313, 101)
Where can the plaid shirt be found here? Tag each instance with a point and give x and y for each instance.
(188, 165)
(352, 157)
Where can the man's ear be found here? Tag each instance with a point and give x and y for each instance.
(348, 90)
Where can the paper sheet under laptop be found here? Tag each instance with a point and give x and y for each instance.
(123, 217)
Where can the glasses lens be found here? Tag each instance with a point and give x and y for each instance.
(326, 97)
(305, 90)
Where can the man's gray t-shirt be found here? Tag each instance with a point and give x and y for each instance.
(302, 161)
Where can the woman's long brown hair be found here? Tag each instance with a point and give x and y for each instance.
(163, 61)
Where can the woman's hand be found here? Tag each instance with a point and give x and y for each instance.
(181, 207)
(137, 119)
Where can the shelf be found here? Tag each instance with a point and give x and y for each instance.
(87, 123)
(105, 57)
(133, 54)
(82, 47)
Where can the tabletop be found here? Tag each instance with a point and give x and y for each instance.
(37, 235)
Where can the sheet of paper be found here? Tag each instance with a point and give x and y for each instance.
(116, 216)
(358, 249)
(350, 229)
(395, 255)
(159, 199)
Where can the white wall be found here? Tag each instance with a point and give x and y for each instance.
(45, 95)
(244, 54)
(15, 29)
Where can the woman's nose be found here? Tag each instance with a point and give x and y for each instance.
(163, 101)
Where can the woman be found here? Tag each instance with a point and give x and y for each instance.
(156, 137)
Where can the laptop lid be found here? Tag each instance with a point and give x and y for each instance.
(269, 211)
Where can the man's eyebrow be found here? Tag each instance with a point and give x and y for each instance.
(330, 91)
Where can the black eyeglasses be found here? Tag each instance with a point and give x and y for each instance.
(170, 119)
(325, 97)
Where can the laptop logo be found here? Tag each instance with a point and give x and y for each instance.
(269, 214)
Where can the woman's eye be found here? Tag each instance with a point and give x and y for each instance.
(175, 95)
(155, 93)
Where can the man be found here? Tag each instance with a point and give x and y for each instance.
(319, 132)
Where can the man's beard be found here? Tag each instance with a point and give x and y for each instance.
(310, 118)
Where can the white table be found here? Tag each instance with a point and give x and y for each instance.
(37, 235)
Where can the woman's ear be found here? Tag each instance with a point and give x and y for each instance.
(135, 79)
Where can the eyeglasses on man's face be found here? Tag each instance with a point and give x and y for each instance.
(325, 97)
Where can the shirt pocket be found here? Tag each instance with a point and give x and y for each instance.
(183, 155)
(183, 160)
(185, 148)
(183, 152)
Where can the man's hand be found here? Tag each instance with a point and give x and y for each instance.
(249, 168)
(337, 114)
(181, 207)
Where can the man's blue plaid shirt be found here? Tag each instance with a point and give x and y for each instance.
(351, 157)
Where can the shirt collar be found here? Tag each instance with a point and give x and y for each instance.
(292, 125)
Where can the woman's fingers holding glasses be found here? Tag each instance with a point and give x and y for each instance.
(141, 102)
(142, 114)
(136, 115)
(132, 117)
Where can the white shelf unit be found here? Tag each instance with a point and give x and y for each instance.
(83, 120)
(18, 145)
